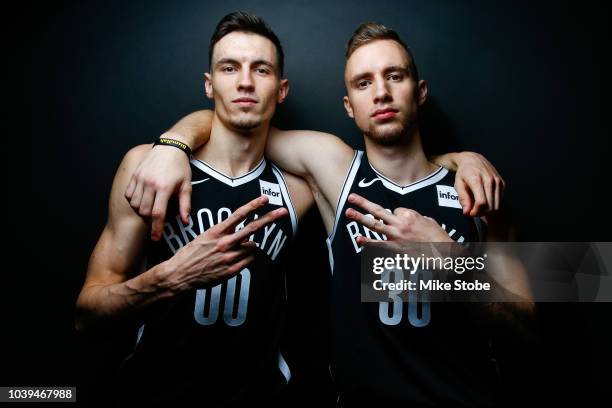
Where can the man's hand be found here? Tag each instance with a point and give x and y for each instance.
(478, 183)
(403, 225)
(163, 172)
(218, 253)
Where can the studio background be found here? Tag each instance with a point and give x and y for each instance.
(519, 82)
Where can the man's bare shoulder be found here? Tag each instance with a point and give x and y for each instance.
(300, 132)
(300, 193)
(315, 143)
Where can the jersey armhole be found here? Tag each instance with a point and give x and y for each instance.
(287, 198)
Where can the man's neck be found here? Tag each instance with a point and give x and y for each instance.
(231, 152)
(403, 164)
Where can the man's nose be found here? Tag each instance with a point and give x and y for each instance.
(245, 81)
(382, 93)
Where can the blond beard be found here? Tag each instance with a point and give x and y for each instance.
(401, 135)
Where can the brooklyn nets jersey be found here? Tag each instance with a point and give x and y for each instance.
(218, 345)
(415, 353)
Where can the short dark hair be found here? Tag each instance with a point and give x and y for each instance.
(248, 23)
(369, 32)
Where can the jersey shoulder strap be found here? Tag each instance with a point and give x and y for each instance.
(345, 190)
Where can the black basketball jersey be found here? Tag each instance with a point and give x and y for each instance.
(416, 353)
(218, 345)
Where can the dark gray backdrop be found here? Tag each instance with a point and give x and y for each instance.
(521, 83)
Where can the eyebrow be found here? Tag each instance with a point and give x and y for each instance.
(392, 68)
(226, 61)
(264, 62)
(234, 61)
(397, 68)
(359, 77)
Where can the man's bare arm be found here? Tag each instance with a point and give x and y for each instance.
(322, 159)
(149, 196)
(106, 291)
(193, 129)
(110, 291)
(318, 157)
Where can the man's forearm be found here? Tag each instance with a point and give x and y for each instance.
(193, 129)
(101, 303)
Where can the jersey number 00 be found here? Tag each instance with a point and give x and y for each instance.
(232, 316)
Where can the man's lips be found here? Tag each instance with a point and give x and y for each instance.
(245, 101)
(385, 113)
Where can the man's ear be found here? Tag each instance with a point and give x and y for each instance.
(348, 107)
(283, 91)
(421, 92)
(208, 85)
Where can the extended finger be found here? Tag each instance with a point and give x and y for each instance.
(146, 204)
(241, 213)
(500, 192)
(489, 187)
(465, 197)
(496, 194)
(250, 245)
(184, 201)
(361, 240)
(257, 224)
(374, 209)
(480, 199)
(159, 214)
(369, 222)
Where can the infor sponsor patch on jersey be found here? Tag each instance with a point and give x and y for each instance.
(447, 196)
(272, 190)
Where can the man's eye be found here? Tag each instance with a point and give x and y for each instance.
(228, 69)
(262, 71)
(363, 84)
(395, 77)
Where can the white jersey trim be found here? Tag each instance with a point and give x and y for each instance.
(193, 183)
(344, 192)
(230, 181)
(139, 334)
(432, 178)
(286, 197)
(284, 367)
(331, 255)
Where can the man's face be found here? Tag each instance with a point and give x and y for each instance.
(383, 97)
(245, 80)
